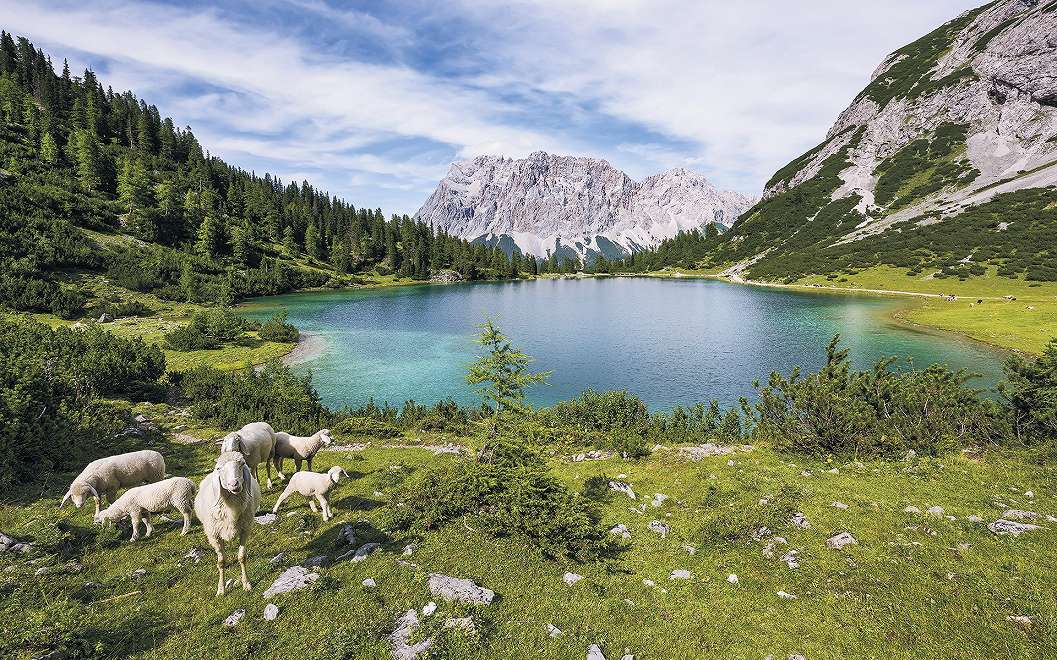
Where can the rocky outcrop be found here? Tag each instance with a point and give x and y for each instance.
(547, 204)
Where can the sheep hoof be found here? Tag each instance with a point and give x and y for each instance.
(246, 586)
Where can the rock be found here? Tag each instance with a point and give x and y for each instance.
(1021, 620)
(627, 656)
(621, 531)
(429, 609)
(796, 656)
(445, 276)
(595, 653)
(1017, 514)
(292, 579)
(659, 527)
(141, 418)
(910, 455)
(730, 462)
(833, 471)
(552, 631)
(400, 638)
(234, 618)
(347, 535)
(706, 450)
(277, 559)
(464, 623)
(271, 612)
(571, 578)
(935, 511)
(317, 561)
(195, 554)
(911, 509)
(680, 574)
(364, 551)
(622, 487)
(408, 550)
(805, 473)
(1005, 527)
(69, 568)
(658, 499)
(648, 582)
(838, 541)
(369, 583)
(800, 520)
(265, 518)
(9, 544)
(733, 579)
(840, 505)
(1029, 494)
(791, 560)
(458, 589)
(139, 572)
(690, 550)
(786, 596)
(105, 318)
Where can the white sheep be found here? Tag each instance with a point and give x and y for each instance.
(139, 502)
(298, 447)
(105, 476)
(256, 441)
(226, 502)
(313, 484)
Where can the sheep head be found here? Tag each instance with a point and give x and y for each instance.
(232, 471)
(109, 514)
(79, 491)
(233, 442)
(336, 473)
(324, 437)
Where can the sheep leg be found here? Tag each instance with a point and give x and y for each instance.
(146, 521)
(242, 561)
(186, 513)
(327, 515)
(220, 569)
(312, 505)
(96, 498)
(268, 472)
(278, 461)
(135, 517)
(310, 463)
(282, 498)
(297, 464)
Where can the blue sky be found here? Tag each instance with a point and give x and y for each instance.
(372, 101)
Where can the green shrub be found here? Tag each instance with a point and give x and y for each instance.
(68, 303)
(629, 444)
(277, 329)
(129, 308)
(366, 427)
(208, 329)
(1031, 394)
(736, 512)
(509, 492)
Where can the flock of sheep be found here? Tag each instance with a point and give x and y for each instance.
(226, 500)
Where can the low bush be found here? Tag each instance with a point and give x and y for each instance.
(129, 308)
(509, 492)
(1031, 395)
(208, 329)
(277, 329)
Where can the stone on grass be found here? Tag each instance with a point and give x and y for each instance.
(277, 559)
(680, 574)
(658, 499)
(659, 527)
(409, 550)
(934, 510)
(1021, 620)
(839, 505)
(786, 596)
(234, 618)
(8, 544)
(429, 608)
(1004, 527)
(833, 471)
(838, 541)
(553, 631)
(648, 582)
(347, 535)
(791, 560)
(1017, 514)
(800, 520)
(292, 579)
(733, 579)
(1029, 494)
(620, 530)
(571, 578)
(195, 554)
(266, 518)
(369, 583)
(690, 550)
(622, 487)
(271, 612)
(401, 637)
(595, 653)
(459, 589)
(699, 452)
(911, 509)
(364, 551)
(318, 560)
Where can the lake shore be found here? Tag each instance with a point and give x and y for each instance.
(310, 345)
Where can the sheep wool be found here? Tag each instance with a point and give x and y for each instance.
(102, 478)
(139, 502)
(227, 500)
(300, 448)
(313, 485)
(256, 441)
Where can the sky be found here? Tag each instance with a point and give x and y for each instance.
(372, 101)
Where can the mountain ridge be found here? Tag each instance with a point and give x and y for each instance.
(572, 205)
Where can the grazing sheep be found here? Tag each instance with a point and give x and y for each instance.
(139, 502)
(299, 448)
(255, 441)
(313, 484)
(226, 502)
(103, 477)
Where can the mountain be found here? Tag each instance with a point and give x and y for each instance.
(570, 206)
(945, 162)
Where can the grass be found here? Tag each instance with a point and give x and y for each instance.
(910, 588)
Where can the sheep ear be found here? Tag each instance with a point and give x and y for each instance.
(95, 493)
(345, 473)
(64, 498)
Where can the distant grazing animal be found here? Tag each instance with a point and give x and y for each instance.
(139, 502)
(105, 476)
(313, 484)
(255, 441)
(226, 502)
(300, 448)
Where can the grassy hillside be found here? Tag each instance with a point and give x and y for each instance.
(915, 584)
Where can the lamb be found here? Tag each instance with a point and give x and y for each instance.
(313, 484)
(256, 441)
(139, 502)
(299, 448)
(103, 477)
(226, 502)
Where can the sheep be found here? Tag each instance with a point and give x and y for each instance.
(139, 502)
(313, 484)
(299, 448)
(103, 477)
(256, 441)
(227, 500)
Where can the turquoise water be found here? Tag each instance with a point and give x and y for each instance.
(668, 341)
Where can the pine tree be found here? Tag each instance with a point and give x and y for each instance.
(49, 151)
(88, 161)
(503, 372)
(241, 244)
(210, 236)
(290, 242)
(313, 245)
(135, 193)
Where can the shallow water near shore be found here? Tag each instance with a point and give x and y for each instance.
(671, 342)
